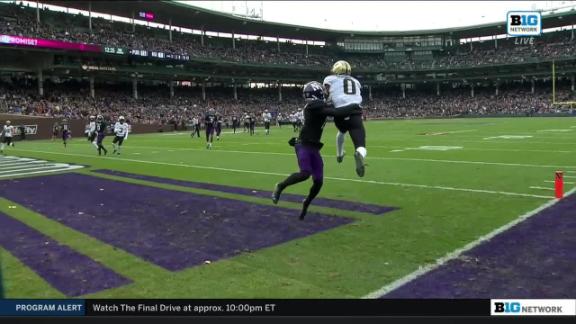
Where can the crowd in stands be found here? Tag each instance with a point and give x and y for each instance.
(460, 103)
(15, 20)
(154, 106)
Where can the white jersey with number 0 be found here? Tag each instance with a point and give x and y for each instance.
(344, 90)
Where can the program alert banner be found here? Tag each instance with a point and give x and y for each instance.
(281, 307)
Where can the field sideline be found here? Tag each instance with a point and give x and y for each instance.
(450, 183)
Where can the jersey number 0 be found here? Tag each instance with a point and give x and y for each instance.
(349, 86)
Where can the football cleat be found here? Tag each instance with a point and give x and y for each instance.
(276, 193)
(305, 205)
(340, 158)
(359, 164)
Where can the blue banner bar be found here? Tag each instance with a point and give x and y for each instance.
(42, 307)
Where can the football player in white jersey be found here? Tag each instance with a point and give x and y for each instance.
(267, 118)
(92, 131)
(300, 118)
(7, 134)
(344, 93)
(121, 131)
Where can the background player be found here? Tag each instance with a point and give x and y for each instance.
(100, 134)
(267, 117)
(92, 131)
(7, 134)
(246, 119)
(293, 121)
(219, 123)
(308, 145)
(344, 93)
(251, 123)
(195, 127)
(121, 131)
(234, 122)
(210, 123)
(279, 119)
(55, 130)
(65, 131)
(299, 119)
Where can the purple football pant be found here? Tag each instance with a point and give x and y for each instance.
(310, 161)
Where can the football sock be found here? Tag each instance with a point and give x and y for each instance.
(293, 179)
(314, 190)
(339, 144)
(95, 145)
(362, 151)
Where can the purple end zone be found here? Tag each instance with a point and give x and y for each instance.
(70, 272)
(172, 229)
(324, 202)
(534, 259)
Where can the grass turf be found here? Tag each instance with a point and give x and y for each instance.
(445, 199)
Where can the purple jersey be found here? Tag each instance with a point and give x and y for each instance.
(209, 119)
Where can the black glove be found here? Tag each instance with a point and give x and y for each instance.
(293, 141)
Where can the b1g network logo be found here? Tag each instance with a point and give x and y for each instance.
(537, 307)
(524, 23)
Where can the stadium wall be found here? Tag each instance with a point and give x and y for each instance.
(41, 127)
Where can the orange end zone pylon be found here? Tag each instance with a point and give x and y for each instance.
(559, 184)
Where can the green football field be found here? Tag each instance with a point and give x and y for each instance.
(451, 182)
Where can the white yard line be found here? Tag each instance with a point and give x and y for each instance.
(454, 254)
(216, 150)
(25, 166)
(68, 168)
(4, 165)
(542, 188)
(565, 182)
(481, 149)
(422, 186)
(52, 166)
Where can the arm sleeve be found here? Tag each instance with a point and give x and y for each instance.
(329, 110)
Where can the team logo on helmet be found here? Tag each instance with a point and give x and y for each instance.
(341, 67)
(313, 91)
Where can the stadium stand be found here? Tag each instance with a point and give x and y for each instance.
(468, 78)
